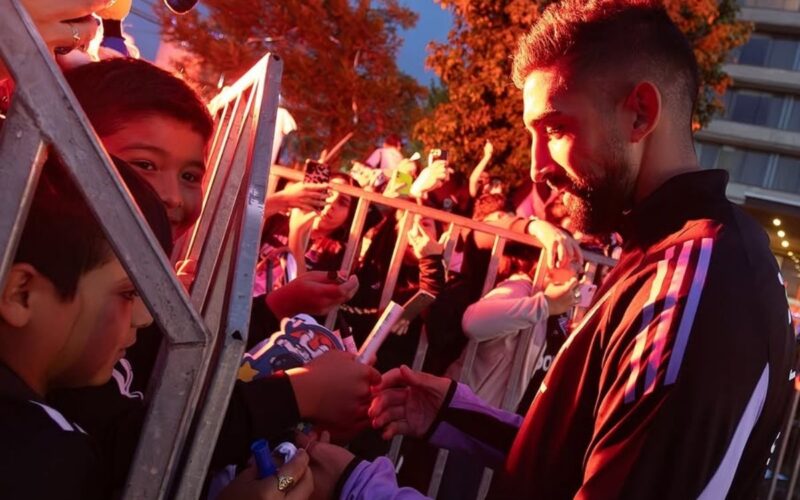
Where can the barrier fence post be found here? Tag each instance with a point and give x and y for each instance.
(247, 218)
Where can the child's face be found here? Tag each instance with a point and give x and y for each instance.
(171, 156)
(109, 313)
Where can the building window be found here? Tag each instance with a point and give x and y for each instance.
(793, 123)
(787, 175)
(751, 167)
(772, 4)
(755, 108)
(766, 51)
(744, 167)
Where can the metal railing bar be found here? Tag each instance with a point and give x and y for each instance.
(351, 250)
(220, 169)
(220, 223)
(23, 156)
(432, 213)
(406, 221)
(238, 311)
(221, 119)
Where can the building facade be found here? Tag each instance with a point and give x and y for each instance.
(757, 138)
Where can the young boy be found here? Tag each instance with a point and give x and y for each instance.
(68, 312)
(154, 121)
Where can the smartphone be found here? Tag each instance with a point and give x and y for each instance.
(438, 154)
(587, 294)
(416, 304)
(316, 172)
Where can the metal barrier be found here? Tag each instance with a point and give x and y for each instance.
(235, 198)
(532, 340)
(44, 113)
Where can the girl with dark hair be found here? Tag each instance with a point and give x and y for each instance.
(325, 231)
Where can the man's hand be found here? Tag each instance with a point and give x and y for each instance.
(333, 390)
(429, 179)
(562, 249)
(247, 486)
(406, 402)
(306, 197)
(328, 461)
(311, 293)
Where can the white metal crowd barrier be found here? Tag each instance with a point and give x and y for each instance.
(44, 114)
(531, 341)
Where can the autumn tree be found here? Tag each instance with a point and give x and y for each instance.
(339, 75)
(475, 67)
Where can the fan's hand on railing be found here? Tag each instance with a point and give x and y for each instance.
(311, 293)
(422, 244)
(306, 197)
(407, 402)
(562, 249)
(333, 391)
(247, 486)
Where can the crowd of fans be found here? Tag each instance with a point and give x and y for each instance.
(74, 385)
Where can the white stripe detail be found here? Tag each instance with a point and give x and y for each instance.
(124, 380)
(56, 416)
(687, 320)
(721, 481)
(648, 311)
(585, 320)
(666, 318)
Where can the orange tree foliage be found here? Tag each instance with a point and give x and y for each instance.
(339, 70)
(482, 103)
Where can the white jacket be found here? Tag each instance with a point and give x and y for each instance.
(496, 321)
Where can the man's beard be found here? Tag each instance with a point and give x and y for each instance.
(596, 207)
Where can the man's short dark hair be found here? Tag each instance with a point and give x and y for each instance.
(113, 91)
(63, 240)
(633, 37)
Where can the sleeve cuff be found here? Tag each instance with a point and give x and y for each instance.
(344, 476)
(451, 391)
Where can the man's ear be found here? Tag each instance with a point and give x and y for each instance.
(644, 103)
(15, 296)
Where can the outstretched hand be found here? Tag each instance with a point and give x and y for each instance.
(306, 197)
(333, 390)
(311, 293)
(407, 402)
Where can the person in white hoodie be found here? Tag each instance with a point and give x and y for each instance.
(497, 320)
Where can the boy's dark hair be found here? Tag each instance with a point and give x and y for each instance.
(628, 37)
(63, 240)
(115, 90)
